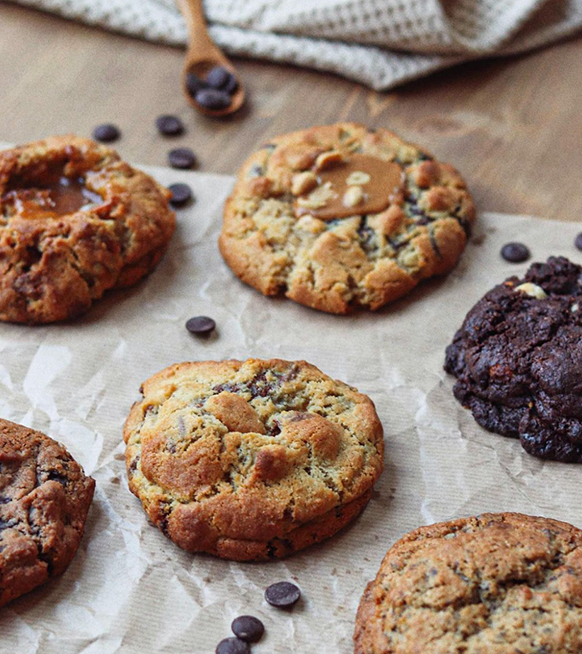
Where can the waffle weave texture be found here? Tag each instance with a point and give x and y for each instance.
(381, 43)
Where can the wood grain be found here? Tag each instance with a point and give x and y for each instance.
(511, 126)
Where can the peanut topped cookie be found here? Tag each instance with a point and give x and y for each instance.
(75, 221)
(495, 584)
(340, 216)
(44, 501)
(518, 360)
(251, 460)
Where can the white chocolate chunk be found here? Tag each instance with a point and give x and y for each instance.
(353, 196)
(317, 198)
(358, 177)
(303, 182)
(533, 290)
(328, 159)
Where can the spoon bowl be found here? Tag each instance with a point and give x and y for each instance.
(202, 56)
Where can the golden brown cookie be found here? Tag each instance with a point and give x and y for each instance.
(501, 583)
(339, 216)
(44, 500)
(75, 221)
(251, 460)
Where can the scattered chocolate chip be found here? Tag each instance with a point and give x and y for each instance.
(106, 133)
(181, 194)
(181, 158)
(248, 628)
(515, 252)
(232, 646)
(169, 125)
(200, 325)
(283, 594)
(218, 77)
(578, 241)
(195, 84)
(212, 99)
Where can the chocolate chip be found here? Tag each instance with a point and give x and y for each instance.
(578, 241)
(515, 252)
(106, 133)
(195, 84)
(181, 158)
(200, 325)
(218, 77)
(282, 594)
(231, 86)
(169, 125)
(213, 99)
(248, 628)
(181, 194)
(232, 646)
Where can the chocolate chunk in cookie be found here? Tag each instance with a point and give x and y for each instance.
(518, 360)
(251, 460)
(44, 501)
(494, 584)
(338, 217)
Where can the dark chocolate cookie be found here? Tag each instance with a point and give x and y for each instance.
(518, 360)
(44, 500)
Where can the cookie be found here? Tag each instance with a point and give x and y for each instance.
(75, 221)
(339, 216)
(251, 460)
(517, 359)
(501, 583)
(44, 500)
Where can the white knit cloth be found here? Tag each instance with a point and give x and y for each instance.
(380, 43)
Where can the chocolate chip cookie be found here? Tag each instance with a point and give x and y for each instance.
(44, 500)
(251, 460)
(494, 584)
(75, 221)
(518, 360)
(340, 216)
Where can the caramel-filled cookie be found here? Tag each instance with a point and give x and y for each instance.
(339, 216)
(518, 360)
(501, 583)
(251, 460)
(75, 221)
(44, 501)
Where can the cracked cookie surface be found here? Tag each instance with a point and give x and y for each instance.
(518, 360)
(339, 216)
(44, 501)
(251, 460)
(75, 221)
(494, 584)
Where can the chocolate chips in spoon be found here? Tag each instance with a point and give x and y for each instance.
(215, 90)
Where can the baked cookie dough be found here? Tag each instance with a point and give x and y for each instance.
(75, 221)
(501, 583)
(339, 216)
(518, 360)
(251, 460)
(44, 500)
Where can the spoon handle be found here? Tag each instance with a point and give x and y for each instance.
(193, 13)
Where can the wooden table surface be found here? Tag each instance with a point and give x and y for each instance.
(511, 126)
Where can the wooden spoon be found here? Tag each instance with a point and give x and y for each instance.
(203, 55)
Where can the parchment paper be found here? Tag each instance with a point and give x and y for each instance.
(129, 589)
